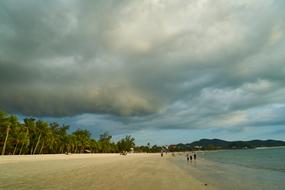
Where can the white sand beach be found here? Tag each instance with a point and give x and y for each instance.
(94, 171)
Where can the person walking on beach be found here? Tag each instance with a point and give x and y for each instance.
(190, 157)
(194, 156)
(187, 157)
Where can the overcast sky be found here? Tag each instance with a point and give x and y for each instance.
(163, 71)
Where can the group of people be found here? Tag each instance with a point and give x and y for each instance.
(189, 157)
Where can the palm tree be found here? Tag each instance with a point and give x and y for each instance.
(25, 140)
(105, 142)
(5, 123)
(82, 139)
(94, 146)
(47, 137)
(63, 138)
(18, 134)
(41, 128)
(31, 128)
(36, 136)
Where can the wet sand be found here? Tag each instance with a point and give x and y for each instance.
(95, 171)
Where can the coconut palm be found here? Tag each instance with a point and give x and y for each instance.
(41, 130)
(17, 134)
(105, 142)
(37, 137)
(5, 124)
(30, 125)
(82, 139)
(25, 140)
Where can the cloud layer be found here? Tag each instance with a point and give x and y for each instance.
(163, 64)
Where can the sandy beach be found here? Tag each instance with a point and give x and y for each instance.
(94, 171)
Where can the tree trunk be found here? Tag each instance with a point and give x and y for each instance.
(42, 147)
(21, 148)
(15, 149)
(6, 139)
(72, 149)
(32, 148)
(39, 138)
(23, 142)
(61, 149)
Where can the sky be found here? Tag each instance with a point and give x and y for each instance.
(162, 71)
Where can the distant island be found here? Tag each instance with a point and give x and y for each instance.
(217, 144)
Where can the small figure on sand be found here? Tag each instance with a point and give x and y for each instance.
(187, 157)
(124, 153)
(161, 153)
(190, 157)
(194, 156)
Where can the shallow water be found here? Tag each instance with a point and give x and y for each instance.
(253, 169)
(268, 159)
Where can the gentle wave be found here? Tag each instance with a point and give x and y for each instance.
(268, 159)
(253, 169)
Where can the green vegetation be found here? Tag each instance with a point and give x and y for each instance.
(126, 143)
(39, 137)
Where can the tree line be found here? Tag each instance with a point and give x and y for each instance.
(34, 136)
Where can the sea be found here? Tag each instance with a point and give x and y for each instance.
(246, 169)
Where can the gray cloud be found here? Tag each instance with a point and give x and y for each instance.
(164, 64)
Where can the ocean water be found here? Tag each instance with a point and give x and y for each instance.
(254, 169)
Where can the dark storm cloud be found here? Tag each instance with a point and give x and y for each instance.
(182, 64)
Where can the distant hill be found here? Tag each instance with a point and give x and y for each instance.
(217, 143)
(214, 144)
(210, 142)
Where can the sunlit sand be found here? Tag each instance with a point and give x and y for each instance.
(94, 171)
